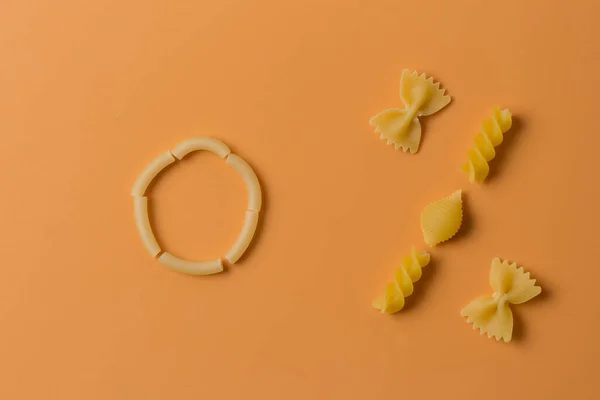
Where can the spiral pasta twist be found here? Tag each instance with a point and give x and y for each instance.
(483, 149)
(402, 286)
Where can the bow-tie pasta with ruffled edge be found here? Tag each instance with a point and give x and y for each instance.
(421, 96)
(441, 220)
(409, 272)
(491, 314)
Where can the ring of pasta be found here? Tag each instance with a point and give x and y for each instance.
(140, 205)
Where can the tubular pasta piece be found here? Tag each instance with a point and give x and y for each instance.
(140, 207)
(491, 314)
(421, 96)
(483, 146)
(200, 143)
(249, 177)
(409, 272)
(190, 267)
(150, 172)
(245, 237)
(441, 220)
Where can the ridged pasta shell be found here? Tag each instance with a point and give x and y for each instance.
(441, 220)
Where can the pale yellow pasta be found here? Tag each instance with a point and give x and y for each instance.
(401, 126)
(140, 209)
(190, 267)
(244, 238)
(402, 286)
(201, 143)
(492, 314)
(149, 173)
(250, 179)
(483, 146)
(441, 220)
(140, 203)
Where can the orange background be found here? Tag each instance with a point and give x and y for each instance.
(92, 91)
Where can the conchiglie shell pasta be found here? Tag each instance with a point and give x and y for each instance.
(441, 220)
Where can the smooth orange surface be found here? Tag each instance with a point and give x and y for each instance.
(90, 91)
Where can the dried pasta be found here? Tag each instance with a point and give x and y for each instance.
(190, 267)
(441, 220)
(402, 286)
(421, 97)
(492, 314)
(250, 179)
(245, 237)
(201, 143)
(150, 172)
(141, 205)
(483, 146)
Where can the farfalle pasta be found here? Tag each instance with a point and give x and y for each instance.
(441, 220)
(483, 151)
(491, 314)
(401, 126)
(402, 286)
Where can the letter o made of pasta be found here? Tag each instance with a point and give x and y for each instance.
(140, 205)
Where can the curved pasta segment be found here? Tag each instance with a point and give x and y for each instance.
(250, 179)
(190, 267)
(402, 286)
(201, 143)
(441, 220)
(492, 314)
(150, 172)
(401, 126)
(140, 209)
(483, 146)
(244, 238)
